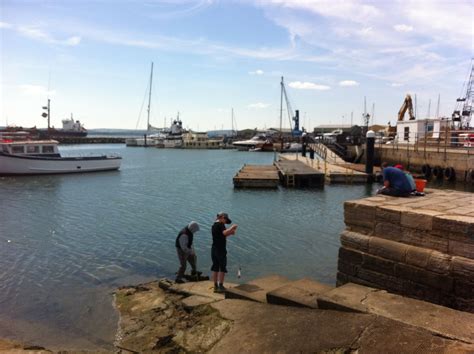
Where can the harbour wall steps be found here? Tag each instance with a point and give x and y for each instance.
(420, 247)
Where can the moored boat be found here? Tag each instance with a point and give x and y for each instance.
(35, 157)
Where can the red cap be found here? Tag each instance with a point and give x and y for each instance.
(399, 166)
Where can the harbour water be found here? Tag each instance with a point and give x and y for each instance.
(67, 241)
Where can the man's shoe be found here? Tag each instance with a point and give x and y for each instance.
(179, 281)
(222, 288)
(217, 290)
(196, 273)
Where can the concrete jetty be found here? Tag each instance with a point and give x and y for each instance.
(421, 247)
(257, 176)
(340, 172)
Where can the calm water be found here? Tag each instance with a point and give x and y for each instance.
(66, 242)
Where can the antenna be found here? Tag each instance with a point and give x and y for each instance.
(429, 109)
(437, 106)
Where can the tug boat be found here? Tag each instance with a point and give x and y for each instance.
(37, 157)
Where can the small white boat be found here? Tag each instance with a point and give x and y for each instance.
(256, 142)
(34, 157)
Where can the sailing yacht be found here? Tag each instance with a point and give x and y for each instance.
(149, 139)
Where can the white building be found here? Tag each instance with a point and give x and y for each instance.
(411, 131)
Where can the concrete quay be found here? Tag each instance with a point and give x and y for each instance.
(165, 317)
(337, 172)
(420, 247)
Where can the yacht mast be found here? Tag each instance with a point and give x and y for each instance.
(149, 98)
(281, 112)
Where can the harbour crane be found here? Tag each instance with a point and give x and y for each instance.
(406, 106)
(295, 131)
(463, 110)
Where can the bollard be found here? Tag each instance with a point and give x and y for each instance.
(369, 162)
(311, 154)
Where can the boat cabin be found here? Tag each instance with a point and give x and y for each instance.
(30, 147)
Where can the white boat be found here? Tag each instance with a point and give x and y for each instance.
(256, 142)
(34, 157)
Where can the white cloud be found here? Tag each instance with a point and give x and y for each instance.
(403, 28)
(308, 86)
(5, 25)
(41, 35)
(396, 84)
(347, 83)
(72, 41)
(36, 90)
(258, 105)
(256, 72)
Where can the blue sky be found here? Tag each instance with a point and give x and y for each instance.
(92, 58)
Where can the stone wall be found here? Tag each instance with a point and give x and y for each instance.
(462, 161)
(421, 247)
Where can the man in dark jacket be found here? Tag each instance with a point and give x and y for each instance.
(185, 250)
(219, 250)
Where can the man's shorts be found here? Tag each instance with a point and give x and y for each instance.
(219, 260)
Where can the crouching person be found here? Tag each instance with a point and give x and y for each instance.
(185, 250)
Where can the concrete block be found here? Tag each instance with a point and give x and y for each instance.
(347, 267)
(354, 240)
(378, 264)
(358, 218)
(439, 263)
(464, 289)
(456, 236)
(388, 231)
(256, 290)
(454, 223)
(300, 293)
(348, 297)
(420, 220)
(369, 230)
(350, 256)
(388, 213)
(462, 268)
(424, 239)
(459, 248)
(465, 305)
(437, 319)
(380, 280)
(423, 276)
(387, 249)
(417, 256)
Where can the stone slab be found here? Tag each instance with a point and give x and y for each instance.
(193, 301)
(256, 290)
(200, 288)
(300, 293)
(436, 319)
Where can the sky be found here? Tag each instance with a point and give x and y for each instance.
(93, 60)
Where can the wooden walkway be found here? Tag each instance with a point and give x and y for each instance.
(333, 173)
(295, 173)
(257, 176)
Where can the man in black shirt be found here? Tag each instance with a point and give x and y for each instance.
(219, 251)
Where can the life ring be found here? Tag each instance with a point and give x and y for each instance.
(450, 174)
(438, 172)
(426, 169)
